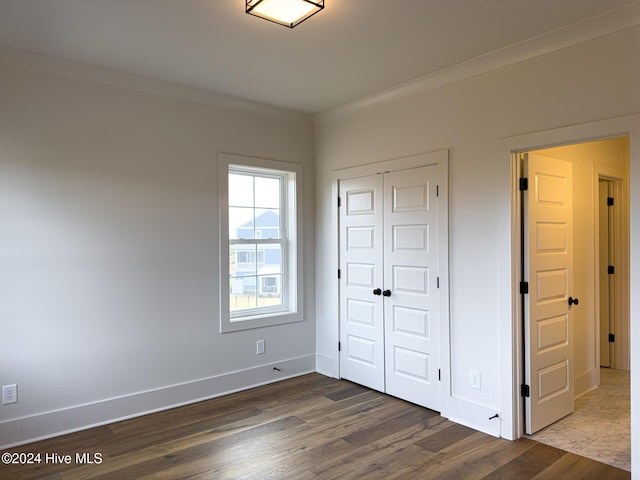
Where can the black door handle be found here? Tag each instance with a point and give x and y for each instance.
(386, 293)
(573, 301)
(377, 291)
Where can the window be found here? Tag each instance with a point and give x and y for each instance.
(260, 242)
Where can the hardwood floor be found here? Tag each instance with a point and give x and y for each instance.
(307, 428)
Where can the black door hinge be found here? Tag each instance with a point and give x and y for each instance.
(525, 391)
(339, 346)
(524, 184)
(437, 190)
(339, 202)
(437, 282)
(612, 338)
(611, 269)
(524, 288)
(439, 375)
(609, 201)
(339, 273)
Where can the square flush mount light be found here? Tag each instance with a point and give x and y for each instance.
(285, 12)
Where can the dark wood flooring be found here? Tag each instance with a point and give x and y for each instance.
(307, 428)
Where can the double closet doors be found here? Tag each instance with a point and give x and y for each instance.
(390, 295)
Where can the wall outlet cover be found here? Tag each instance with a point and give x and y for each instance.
(9, 394)
(474, 379)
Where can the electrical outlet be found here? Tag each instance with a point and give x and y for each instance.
(9, 394)
(259, 347)
(474, 379)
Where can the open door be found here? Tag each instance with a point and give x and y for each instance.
(548, 269)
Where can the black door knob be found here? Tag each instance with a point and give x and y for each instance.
(386, 293)
(377, 291)
(573, 301)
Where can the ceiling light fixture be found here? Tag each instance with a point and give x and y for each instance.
(284, 12)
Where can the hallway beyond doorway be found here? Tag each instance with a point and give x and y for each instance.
(600, 427)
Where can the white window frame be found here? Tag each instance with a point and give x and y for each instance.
(291, 225)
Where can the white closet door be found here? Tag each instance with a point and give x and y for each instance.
(411, 302)
(393, 256)
(361, 310)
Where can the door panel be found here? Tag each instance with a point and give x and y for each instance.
(411, 321)
(361, 350)
(551, 285)
(411, 263)
(552, 333)
(360, 274)
(548, 257)
(410, 279)
(410, 238)
(361, 312)
(411, 364)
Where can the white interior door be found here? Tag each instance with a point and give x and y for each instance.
(411, 304)
(548, 244)
(361, 267)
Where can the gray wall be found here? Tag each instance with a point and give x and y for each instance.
(109, 249)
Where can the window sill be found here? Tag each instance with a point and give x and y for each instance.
(261, 321)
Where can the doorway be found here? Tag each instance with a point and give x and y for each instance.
(613, 258)
(599, 428)
(598, 328)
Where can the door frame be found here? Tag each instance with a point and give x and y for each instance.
(603, 224)
(512, 424)
(440, 157)
(621, 323)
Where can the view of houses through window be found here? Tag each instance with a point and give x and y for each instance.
(257, 241)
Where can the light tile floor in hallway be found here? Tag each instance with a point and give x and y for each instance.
(600, 427)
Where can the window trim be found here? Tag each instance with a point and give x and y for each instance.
(292, 280)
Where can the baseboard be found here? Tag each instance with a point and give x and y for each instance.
(326, 366)
(586, 382)
(80, 417)
(479, 417)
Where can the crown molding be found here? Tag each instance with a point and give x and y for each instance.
(116, 78)
(598, 26)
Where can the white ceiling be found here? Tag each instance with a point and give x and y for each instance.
(352, 49)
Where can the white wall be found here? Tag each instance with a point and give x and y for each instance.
(476, 119)
(109, 248)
